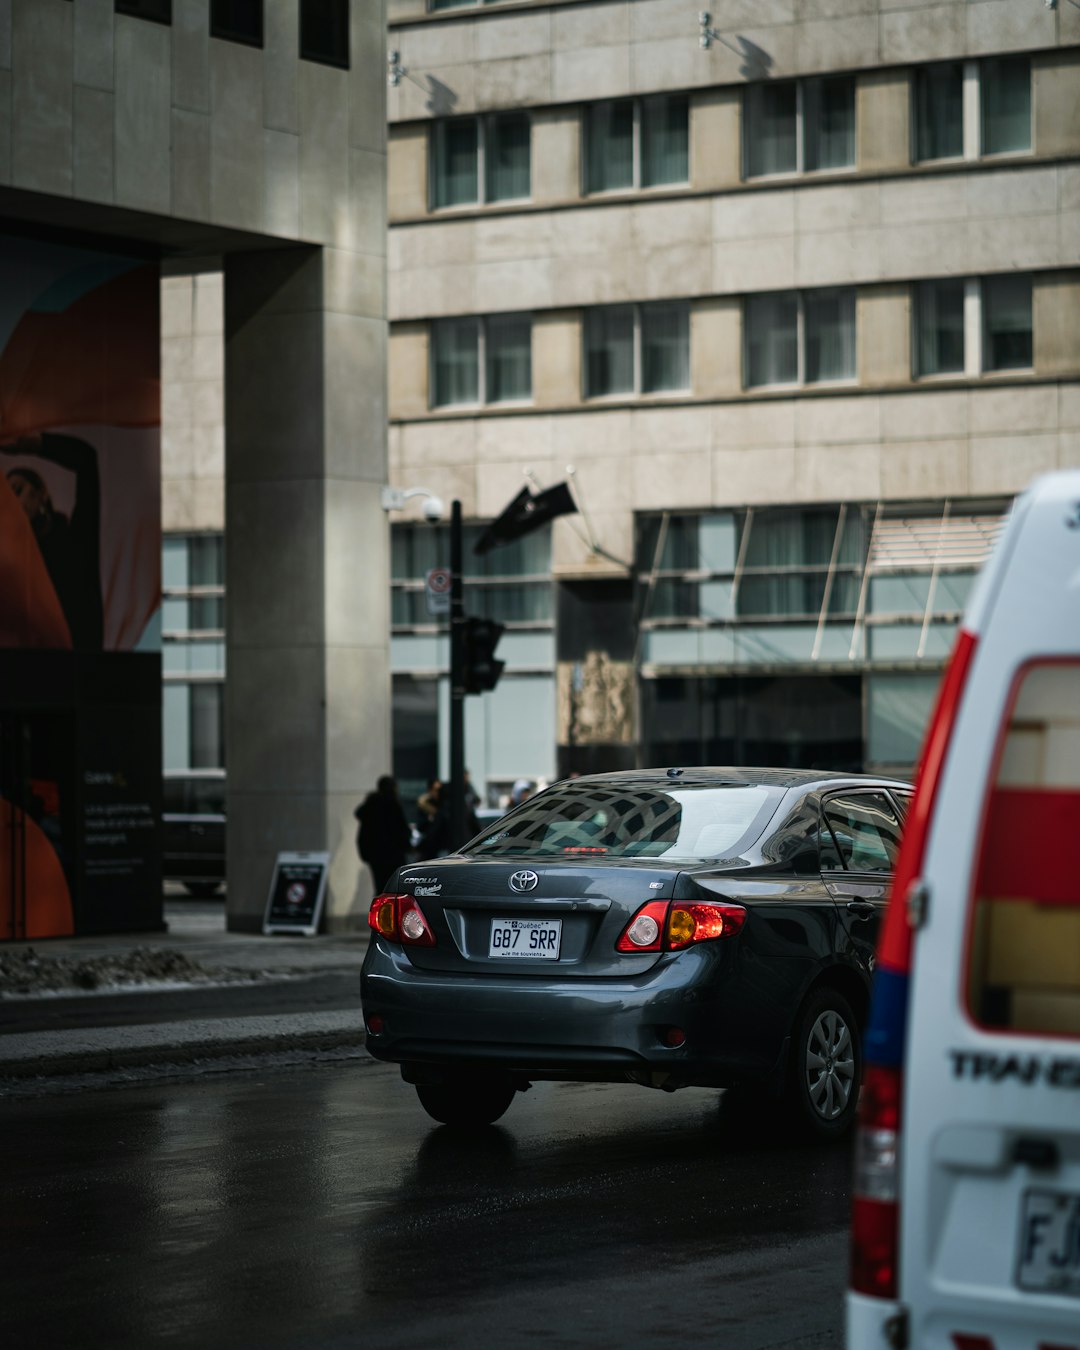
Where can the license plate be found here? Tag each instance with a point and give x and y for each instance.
(526, 939)
(1050, 1243)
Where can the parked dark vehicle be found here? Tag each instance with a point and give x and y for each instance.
(193, 823)
(689, 927)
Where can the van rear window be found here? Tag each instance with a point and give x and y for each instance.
(1024, 966)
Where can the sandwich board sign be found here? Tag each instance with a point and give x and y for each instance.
(297, 891)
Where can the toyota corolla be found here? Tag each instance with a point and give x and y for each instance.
(672, 928)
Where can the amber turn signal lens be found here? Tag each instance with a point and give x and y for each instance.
(681, 926)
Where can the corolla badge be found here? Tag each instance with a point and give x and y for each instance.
(524, 881)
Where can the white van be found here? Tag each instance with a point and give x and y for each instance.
(966, 1217)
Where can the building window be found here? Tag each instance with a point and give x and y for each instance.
(939, 111)
(237, 21)
(878, 582)
(973, 326)
(193, 651)
(158, 11)
(637, 143)
(794, 337)
(1005, 105)
(1006, 323)
(939, 327)
(799, 126)
(965, 109)
(481, 159)
(481, 360)
(324, 32)
(637, 349)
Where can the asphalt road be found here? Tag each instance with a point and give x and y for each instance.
(318, 1207)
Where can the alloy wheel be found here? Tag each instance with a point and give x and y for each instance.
(830, 1064)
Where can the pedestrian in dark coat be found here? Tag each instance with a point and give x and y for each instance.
(383, 836)
(438, 839)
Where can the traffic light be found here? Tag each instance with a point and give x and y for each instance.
(481, 671)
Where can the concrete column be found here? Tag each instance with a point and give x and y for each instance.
(1055, 303)
(883, 329)
(308, 691)
(410, 359)
(883, 118)
(716, 347)
(556, 155)
(1056, 99)
(556, 355)
(716, 138)
(407, 171)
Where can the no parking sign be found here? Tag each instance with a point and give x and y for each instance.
(297, 890)
(437, 590)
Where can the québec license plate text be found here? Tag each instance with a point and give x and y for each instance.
(526, 939)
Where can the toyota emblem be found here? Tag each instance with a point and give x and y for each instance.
(524, 881)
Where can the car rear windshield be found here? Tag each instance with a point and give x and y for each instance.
(679, 824)
(1024, 960)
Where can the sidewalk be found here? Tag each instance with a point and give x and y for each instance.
(247, 994)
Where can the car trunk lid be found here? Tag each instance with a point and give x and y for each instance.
(508, 916)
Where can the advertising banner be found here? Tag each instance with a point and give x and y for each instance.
(80, 576)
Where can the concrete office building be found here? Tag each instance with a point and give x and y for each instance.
(240, 148)
(797, 295)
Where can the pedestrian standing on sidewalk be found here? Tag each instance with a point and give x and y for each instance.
(383, 836)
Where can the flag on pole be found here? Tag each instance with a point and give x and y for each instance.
(527, 512)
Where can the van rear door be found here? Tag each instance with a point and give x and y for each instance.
(990, 1139)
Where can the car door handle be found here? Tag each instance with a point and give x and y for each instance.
(862, 909)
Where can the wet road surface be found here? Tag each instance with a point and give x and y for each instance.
(319, 1207)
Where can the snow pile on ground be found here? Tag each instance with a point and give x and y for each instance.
(26, 971)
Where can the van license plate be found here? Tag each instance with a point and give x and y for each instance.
(1050, 1243)
(526, 939)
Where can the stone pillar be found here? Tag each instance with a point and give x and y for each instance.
(307, 554)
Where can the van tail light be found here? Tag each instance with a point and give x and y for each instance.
(875, 1210)
(399, 918)
(669, 926)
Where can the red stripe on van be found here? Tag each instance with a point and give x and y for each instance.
(894, 947)
(962, 1341)
(1028, 846)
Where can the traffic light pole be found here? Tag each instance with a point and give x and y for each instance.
(457, 683)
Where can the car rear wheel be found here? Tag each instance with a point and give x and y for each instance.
(466, 1101)
(826, 1065)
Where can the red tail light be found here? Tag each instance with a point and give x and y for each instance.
(399, 918)
(645, 931)
(669, 926)
(875, 1211)
(700, 923)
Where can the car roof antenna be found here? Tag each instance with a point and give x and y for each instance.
(674, 773)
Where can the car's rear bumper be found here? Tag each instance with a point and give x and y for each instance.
(871, 1322)
(574, 1028)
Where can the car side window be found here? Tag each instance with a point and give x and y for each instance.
(903, 801)
(865, 829)
(828, 853)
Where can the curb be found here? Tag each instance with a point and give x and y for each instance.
(56, 1054)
